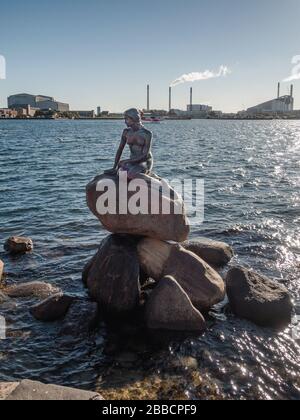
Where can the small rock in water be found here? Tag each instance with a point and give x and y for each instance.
(33, 289)
(18, 245)
(214, 253)
(203, 285)
(81, 319)
(189, 363)
(6, 302)
(258, 299)
(169, 308)
(53, 308)
(3, 298)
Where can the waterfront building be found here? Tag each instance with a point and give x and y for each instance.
(198, 108)
(281, 104)
(8, 113)
(83, 114)
(39, 102)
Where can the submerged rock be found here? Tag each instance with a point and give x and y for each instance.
(213, 253)
(6, 302)
(153, 221)
(169, 308)
(258, 299)
(18, 245)
(37, 391)
(33, 289)
(53, 308)
(203, 285)
(81, 319)
(113, 277)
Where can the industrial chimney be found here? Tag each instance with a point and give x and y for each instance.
(191, 99)
(170, 98)
(148, 98)
(292, 91)
(278, 91)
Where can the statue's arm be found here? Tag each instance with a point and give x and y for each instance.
(120, 149)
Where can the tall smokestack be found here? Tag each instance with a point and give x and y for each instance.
(278, 91)
(191, 99)
(148, 98)
(170, 98)
(292, 91)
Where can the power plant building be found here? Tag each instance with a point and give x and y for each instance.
(281, 104)
(40, 102)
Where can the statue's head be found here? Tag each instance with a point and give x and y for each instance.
(133, 116)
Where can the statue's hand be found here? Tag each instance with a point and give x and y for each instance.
(123, 162)
(112, 171)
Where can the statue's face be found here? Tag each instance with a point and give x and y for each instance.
(129, 121)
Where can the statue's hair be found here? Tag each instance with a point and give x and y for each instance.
(134, 114)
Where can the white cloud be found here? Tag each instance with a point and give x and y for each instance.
(295, 71)
(196, 76)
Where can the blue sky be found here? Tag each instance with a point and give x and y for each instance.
(105, 52)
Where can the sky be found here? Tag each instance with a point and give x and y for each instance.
(104, 53)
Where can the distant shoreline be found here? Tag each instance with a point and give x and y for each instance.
(167, 119)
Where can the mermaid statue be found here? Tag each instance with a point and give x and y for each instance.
(139, 140)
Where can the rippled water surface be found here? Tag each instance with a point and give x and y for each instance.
(251, 172)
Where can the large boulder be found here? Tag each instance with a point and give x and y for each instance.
(203, 285)
(212, 252)
(81, 319)
(113, 277)
(18, 245)
(169, 308)
(258, 299)
(33, 289)
(37, 391)
(162, 216)
(53, 308)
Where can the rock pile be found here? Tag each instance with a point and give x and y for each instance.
(154, 247)
(186, 285)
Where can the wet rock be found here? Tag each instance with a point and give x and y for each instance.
(203, 285)
(185, 363)
(18, 245)
(33, 289)
(6, 302)
(113, 277)
(81, 319)
(169, 308)
(6, 388)
(86, 270)
(163, 225)
(258, 299)
(1, 270)
(3, 298)
(213, 253)
(36, 391)
(53, 308)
